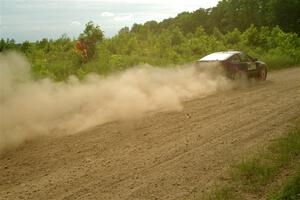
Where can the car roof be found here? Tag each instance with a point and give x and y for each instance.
(219, 56)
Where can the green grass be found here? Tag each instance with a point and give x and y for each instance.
(290, 189)
(251, 175)
(256, 172)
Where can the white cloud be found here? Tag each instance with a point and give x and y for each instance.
(107, 14)
(76, 23)
(123, 17)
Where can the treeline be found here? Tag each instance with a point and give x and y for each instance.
(231, 14)
(233, 24)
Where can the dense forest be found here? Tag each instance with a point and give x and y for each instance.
(266, 29)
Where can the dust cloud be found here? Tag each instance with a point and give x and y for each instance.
(33, 108)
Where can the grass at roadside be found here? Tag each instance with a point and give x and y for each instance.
(290, 189)
(250, 176)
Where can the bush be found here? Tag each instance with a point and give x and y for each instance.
(277, 59)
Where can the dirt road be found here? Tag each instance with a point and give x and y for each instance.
(170, 155)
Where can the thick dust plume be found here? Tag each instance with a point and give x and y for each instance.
(32, 108)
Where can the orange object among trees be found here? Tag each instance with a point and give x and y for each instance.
(81, 48)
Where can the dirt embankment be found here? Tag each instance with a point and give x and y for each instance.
(167, 155)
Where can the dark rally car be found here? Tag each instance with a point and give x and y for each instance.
(237, 64)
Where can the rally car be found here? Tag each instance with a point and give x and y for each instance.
(237, 64)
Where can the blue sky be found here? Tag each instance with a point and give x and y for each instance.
(36, 19)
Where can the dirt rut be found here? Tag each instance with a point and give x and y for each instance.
(170, 155)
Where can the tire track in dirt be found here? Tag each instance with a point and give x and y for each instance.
(244, 127)
(161, 156)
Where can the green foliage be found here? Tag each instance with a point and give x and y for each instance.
(57, 58)
(286, 14)
(276, 59)
(92, 35)
(233, 37)
(7, 44)
(25, 47)
(230, 14)
(245, 25)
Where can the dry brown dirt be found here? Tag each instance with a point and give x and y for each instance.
(167, 155)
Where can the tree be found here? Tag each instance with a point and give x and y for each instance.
(176, 37)
(124, 30)
(233, 37)
(2, 45)
(92, 35)
(25, 47)
(286, 14)
(8, 44)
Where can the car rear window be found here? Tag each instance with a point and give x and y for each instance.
(245, 58)
(234, 59)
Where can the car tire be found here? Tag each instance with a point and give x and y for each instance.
(262, 76)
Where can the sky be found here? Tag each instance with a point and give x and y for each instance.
(36, 19)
